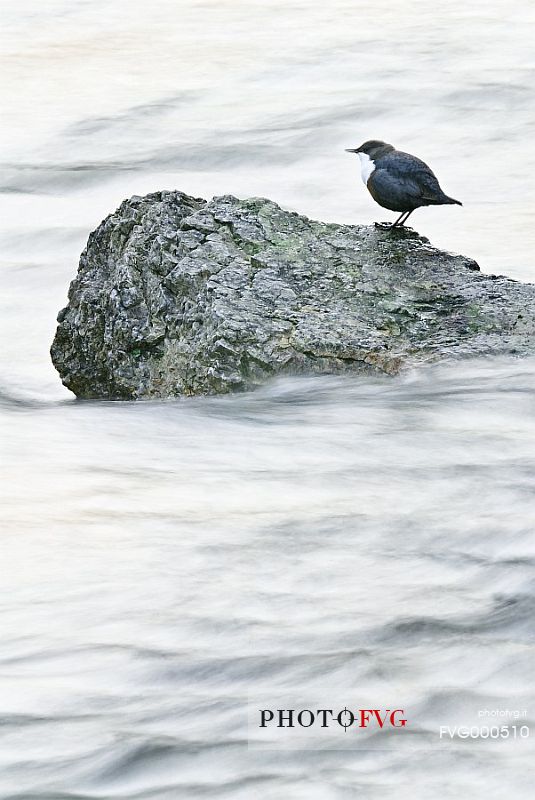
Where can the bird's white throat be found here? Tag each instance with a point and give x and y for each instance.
(367, 166)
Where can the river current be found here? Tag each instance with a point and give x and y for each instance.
(168, 569)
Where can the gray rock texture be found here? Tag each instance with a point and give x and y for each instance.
(178, 296)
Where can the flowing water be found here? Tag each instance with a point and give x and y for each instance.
(169, 568)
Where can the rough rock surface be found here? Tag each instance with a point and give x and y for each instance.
(177, 296)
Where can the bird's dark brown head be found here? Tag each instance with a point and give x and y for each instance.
(373, 148)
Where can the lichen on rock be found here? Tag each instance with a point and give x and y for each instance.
(178, 296)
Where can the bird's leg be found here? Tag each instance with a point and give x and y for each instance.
(399, 222)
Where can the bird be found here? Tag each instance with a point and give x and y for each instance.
(399, 181)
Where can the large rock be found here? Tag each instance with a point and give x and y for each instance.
(177, 296)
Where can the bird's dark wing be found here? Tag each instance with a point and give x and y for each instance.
(414, 174)
(395, 193)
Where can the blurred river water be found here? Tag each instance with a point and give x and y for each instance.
(166, 565)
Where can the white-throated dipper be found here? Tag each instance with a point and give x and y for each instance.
(399, 181)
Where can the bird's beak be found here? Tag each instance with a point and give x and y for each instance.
(351, 151)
